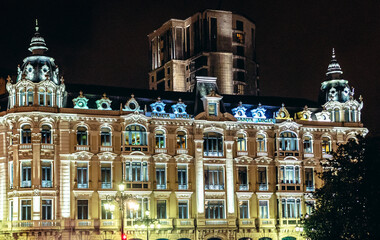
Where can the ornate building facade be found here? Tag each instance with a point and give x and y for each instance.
(201, 164)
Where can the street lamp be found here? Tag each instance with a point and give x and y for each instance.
(121, 198)
(147, 222)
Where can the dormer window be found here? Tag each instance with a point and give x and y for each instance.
(212, 110)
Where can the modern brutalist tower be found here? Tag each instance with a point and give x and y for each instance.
(211, 43)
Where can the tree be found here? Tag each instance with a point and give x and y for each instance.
(346, 204)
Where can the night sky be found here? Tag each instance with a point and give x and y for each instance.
(105, 42)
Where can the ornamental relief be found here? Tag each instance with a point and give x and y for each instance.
(243, 159)
(183, 158)
(263, 160)
(106, 156)
(83, 155)
(162, 157)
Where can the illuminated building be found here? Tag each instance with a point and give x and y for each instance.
(204, 165)
(212, 43)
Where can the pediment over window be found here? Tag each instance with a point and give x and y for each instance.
(244, 195)
(264, 196)
(263, 160)
(162, 157)
(106, 156)
(289, 125)
(135, 117)
(183, 158)
(243, 159)
(183, 195)
(83, 155)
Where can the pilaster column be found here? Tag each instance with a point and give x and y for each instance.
(230, 177)
(199, 177)
(65, 188)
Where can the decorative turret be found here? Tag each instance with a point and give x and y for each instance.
(37, 45)
(335, 88)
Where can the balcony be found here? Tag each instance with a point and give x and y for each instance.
(82, 185)
(247, 223)
(182, 151)
(41, 224)
(184, 223)
(289, 187)
(160, 150)
(25, 146)
(106, 148)
(82, 148)
(308, 155)
(242, 153)
(285, 153)
(216, 222)
(290, 221)
(265, 222)
(160, 186)
(133, 148)
(262, 154)
(138, 185)
(165, 223)
(84, 224)
(326, 155)
(46, 184)
(214, 187)
(109, 224)
(47, 146)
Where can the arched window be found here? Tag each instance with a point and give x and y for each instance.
(160, 139)
(82, 136)
(336, 115)
(181, 140)
(289, 238)
(135, 135)
(347, 115)
(26, 134)
(326, 145)
(46, 134)
(213, 144)
(30, 97)
(49, 98)
(105, 136)
(265, 238)
(260, 141)
(353, 115)
(22, 97)
(41, 97)
(241, 142)
(307, 144)
(288, 141)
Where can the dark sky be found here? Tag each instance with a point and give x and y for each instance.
(105, 42)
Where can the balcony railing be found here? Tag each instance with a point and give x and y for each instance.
(242, 153)
(165, 223)
(133, 148)
(46, 184)
(184, 223)
(47, 146)
(214, 187)
(51, 224)
(263, 186)
(286, 153)
(109, 223)
(243, 187)
(247, 223)
(82, 148)
(106, 148)
(137, 185)
(82, 185)
(266, 222)
(26, 184)
(106, 185)
(160, 150)
(84, 223)
(26, 146)
(182, 186)
(182, 151)
(308, 155)
(217, 222)
(326, 155)
(160, 186)
(262, 154)
(290, 221)
(310, 188)
(289, 186)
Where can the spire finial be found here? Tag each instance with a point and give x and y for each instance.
(333, 53)
(37, 25)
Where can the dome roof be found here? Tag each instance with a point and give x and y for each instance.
(38, 67)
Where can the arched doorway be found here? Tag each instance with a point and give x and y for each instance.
(289, 238)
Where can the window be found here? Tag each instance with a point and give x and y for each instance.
(82, 136)
(290, 174)
(310, 206)
(243, 178)
(326, 145)
(239, 25)
(49, 98)
(309, 179)
(260, 141)
(26, 209)
(46, 134)
(106, 176)
(183, 209)
(347, 115)
(46, 178)
(213, 144)
(11, 210)
(353, 115)
(214, 209)
(30, 97)
(212, 111)
(214, 178)
(243, 209)
(307, 144)
(182, 177)
(262, 175)
(161, 176)
(288, 141)
(10, 175)
(143, 207)
(161, 209)
(82, 175)
(241, 142)
(264, 208)
(22, 97)
(291, 208)
(160, 139)
(214, 34)
(82, 209)
(136, 171)
(105, 136)
(26, 134)
(135, 135)
(181, 140)
(106, 214)
(41, 97)
(26, 174)
(239, 38)
(47, 209)
(336, 115)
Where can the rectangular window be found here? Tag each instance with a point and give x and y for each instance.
(262, 175)
(10, 210)
(82, 175)
(26, 209)
(47, 209)
(82, 209)
(10, 175)
(309, 179)
(106, 175)
(46, 178)
(243, 207)
(291, 208)
(214, 34)
(143, 204)
(310, 205)
(183, 209)
(106, 214)
(161, 209)
(290, 174)
(161, 176)
(243, 178)
(182, 177)
(212, 111)
(214, 209)
(239, 25)
(214, 178)
(136, 171)
(26, 174)
(264, 208)
(213, 144)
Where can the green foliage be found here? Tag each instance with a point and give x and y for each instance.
(346, 203)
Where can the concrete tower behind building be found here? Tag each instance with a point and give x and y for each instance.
(213, 43)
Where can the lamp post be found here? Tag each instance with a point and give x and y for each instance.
(147, 222)
(121, 198)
